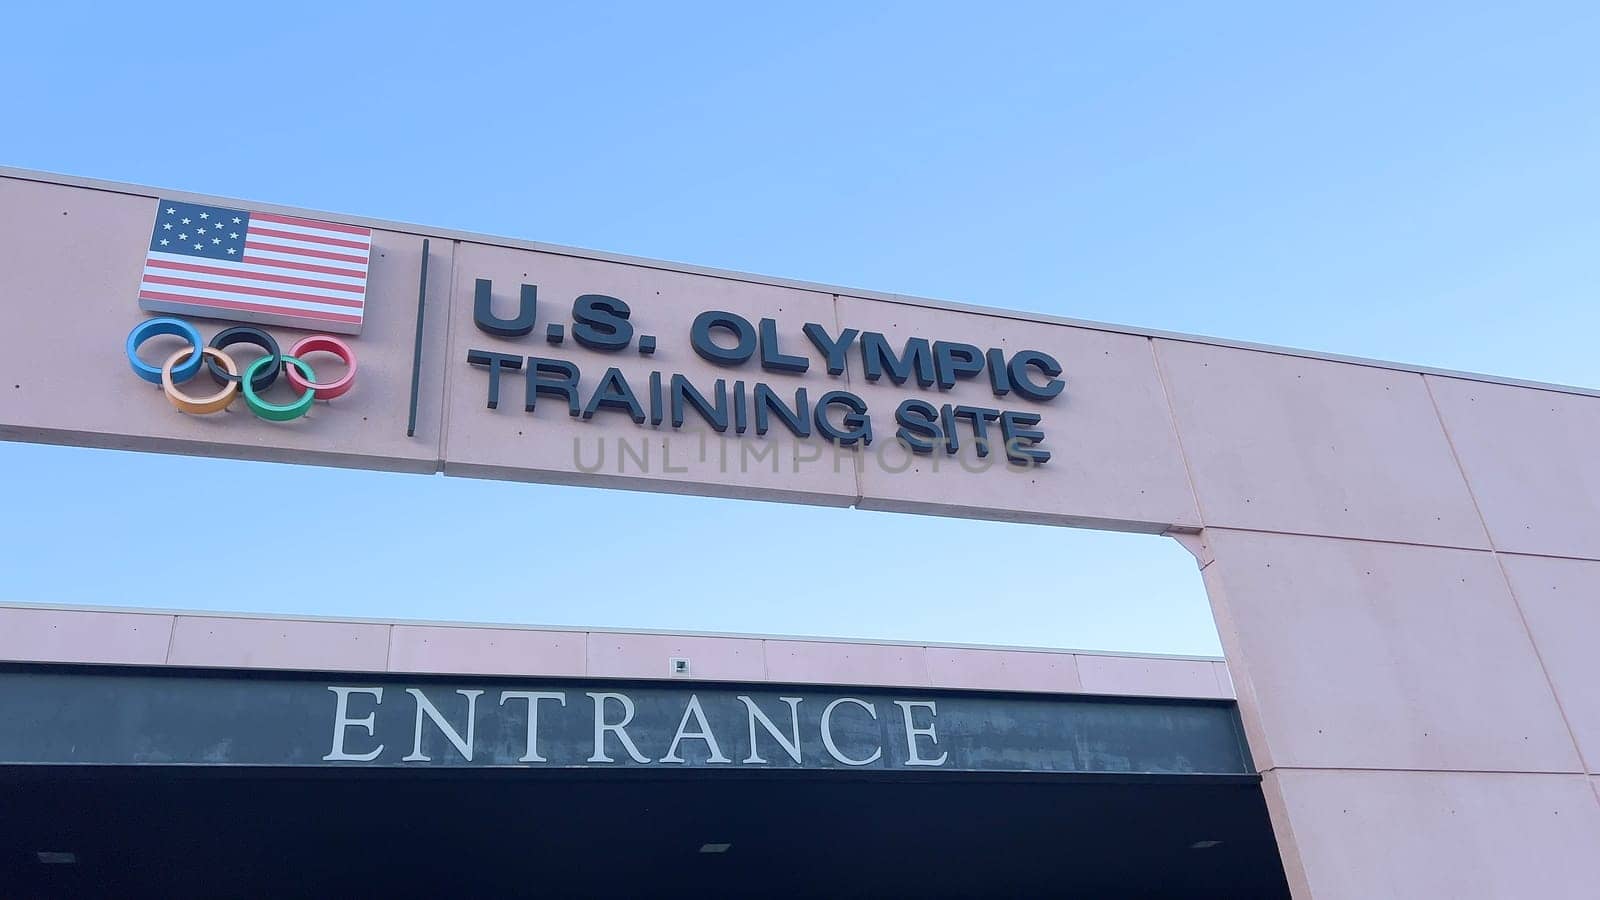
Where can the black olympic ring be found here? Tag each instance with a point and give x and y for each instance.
(245, 334)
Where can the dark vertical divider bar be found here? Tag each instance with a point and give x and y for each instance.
(416, 348)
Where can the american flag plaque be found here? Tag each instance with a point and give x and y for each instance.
(257, 267)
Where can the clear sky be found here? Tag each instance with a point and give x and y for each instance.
(1417, 182)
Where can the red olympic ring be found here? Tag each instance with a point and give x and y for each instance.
(326, 344)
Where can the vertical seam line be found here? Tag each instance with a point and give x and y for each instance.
(858, 460)
(172, 637)
(442, 448)
(1177, 434)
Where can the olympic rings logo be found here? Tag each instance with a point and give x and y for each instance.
(251, 381)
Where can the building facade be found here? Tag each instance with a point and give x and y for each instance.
(1402, 562)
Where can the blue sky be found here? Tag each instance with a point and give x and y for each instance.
(1416, 184)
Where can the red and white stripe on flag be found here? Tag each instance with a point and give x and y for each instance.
(263, 268)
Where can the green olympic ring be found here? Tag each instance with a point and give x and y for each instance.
(274, 412)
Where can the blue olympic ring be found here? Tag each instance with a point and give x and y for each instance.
(166, 325)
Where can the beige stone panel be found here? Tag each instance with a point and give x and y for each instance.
(1353, 654)
(1560, 598)
(1290, 444)
(1353, 835)
(1114, 454)
(549, 445)
(1532, 458)
(69, 279)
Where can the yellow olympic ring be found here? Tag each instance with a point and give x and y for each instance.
(210, 403)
